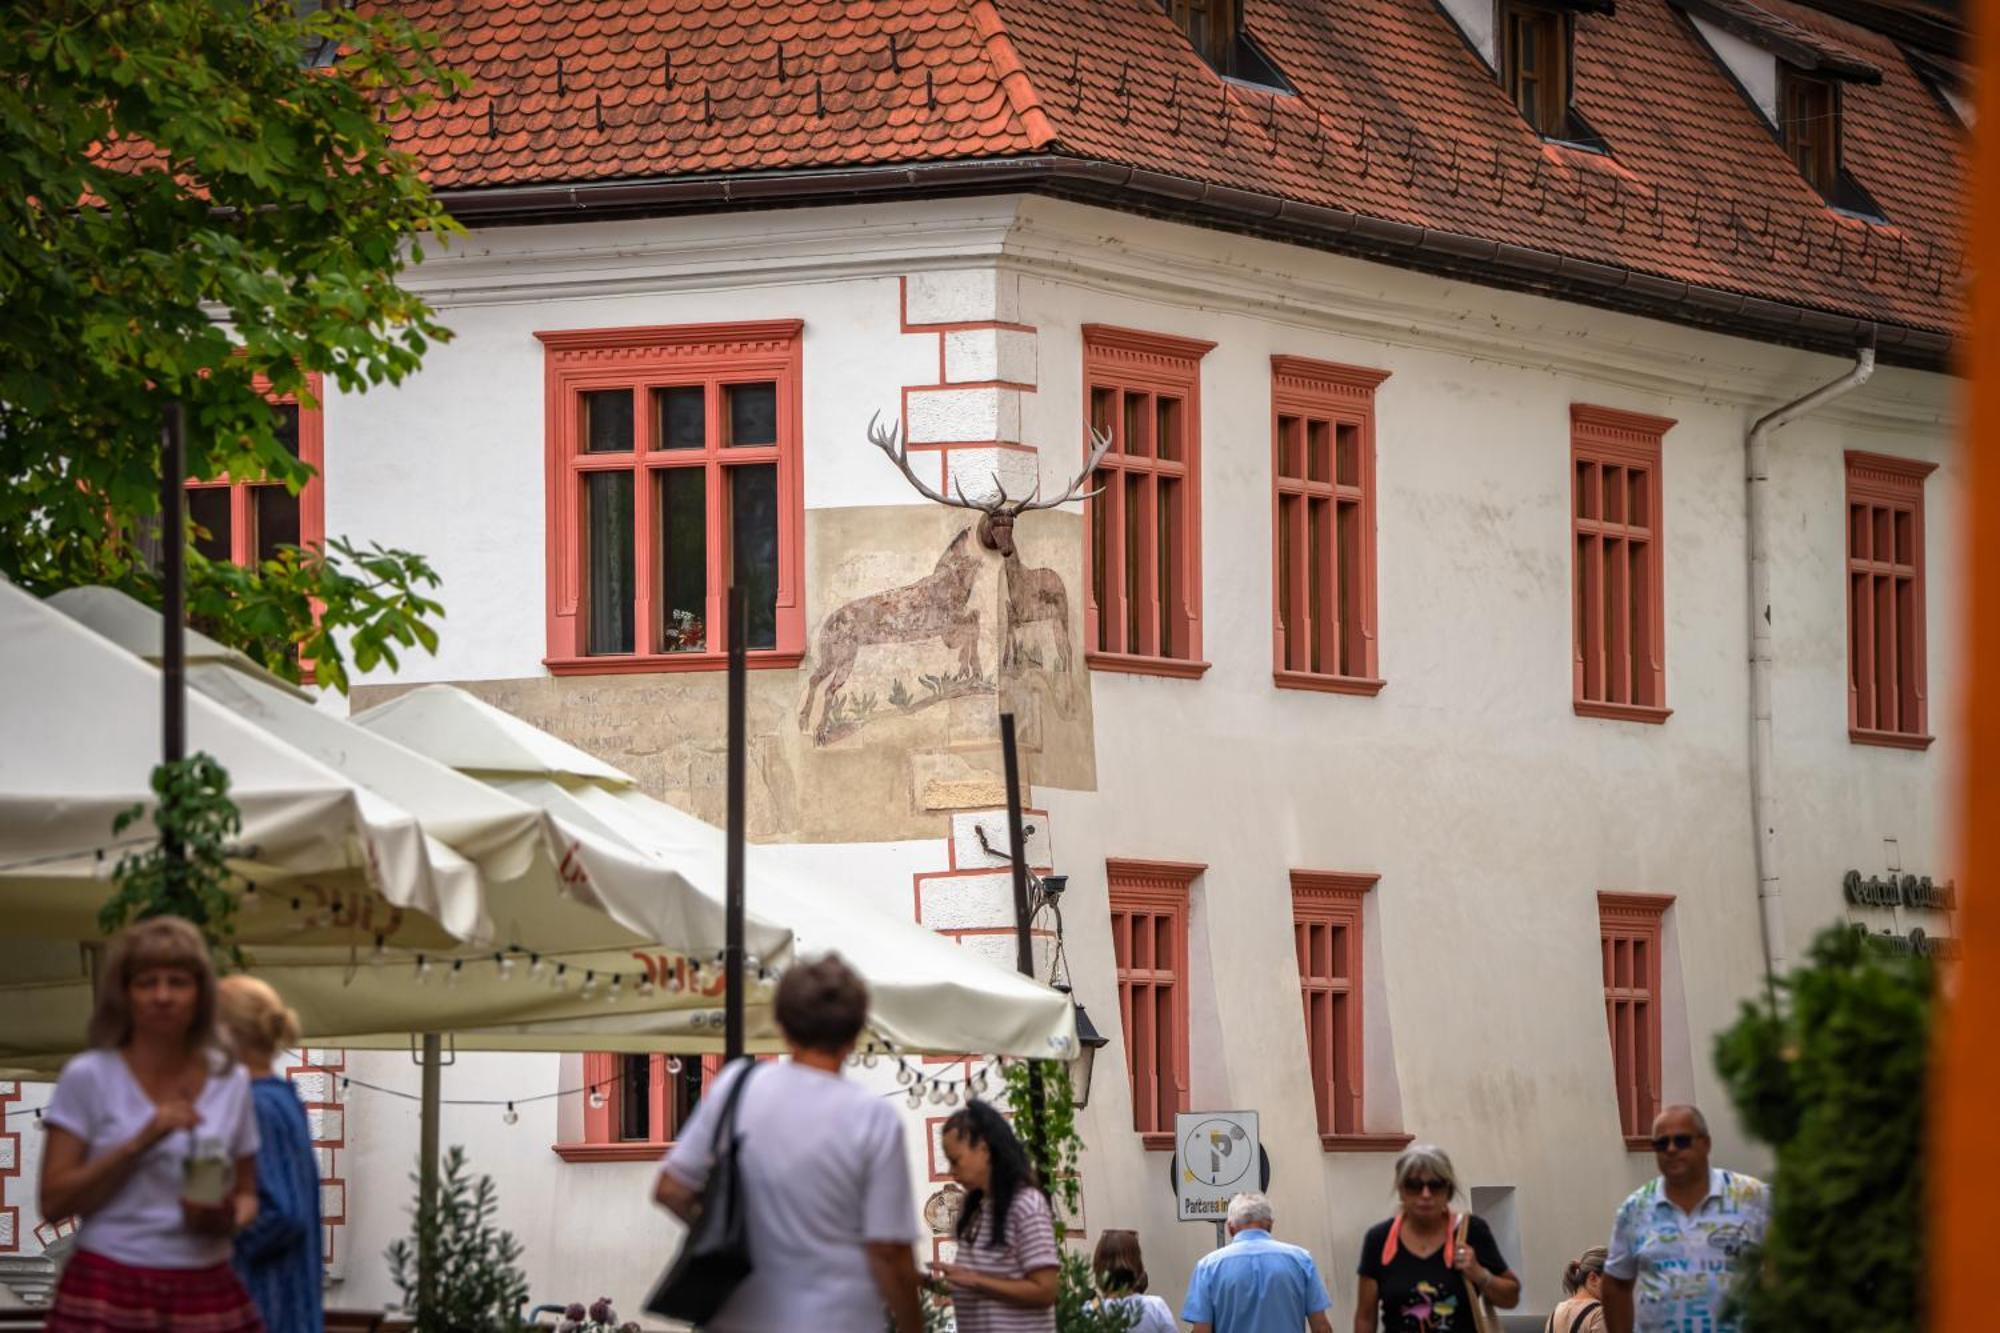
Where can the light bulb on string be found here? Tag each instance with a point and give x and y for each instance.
(868, 1060)
(750, 963)
(423, 970)
(916, 1098)
(611, 996)
(457, 972)
(951, 1097)
(698, 1019)
(589, 988)
(937, 1095)
(536, 968)
(904, 1074)
(510, 1115)
(505, 963)
(561, 981)
(674, 983)
(645, 988)
(674, 1065)
(596, 1098)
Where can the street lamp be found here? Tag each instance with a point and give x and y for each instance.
(1089, 1040)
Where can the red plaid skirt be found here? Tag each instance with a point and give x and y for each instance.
(99, 1295)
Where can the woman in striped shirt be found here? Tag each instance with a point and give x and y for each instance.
(1005, 1273)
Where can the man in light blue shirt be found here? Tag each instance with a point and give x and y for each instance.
(1255, 1284)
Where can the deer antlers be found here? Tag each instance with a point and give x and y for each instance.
(996, 526)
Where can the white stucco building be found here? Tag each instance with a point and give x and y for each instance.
(1394, 709)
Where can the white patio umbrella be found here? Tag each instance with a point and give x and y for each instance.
(559, 903)
(80, 720)
(929, 995)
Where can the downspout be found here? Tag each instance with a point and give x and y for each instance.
(1757, 476)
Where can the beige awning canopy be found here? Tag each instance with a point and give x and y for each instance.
(556, 866)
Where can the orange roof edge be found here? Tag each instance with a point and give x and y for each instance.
(1013, 75)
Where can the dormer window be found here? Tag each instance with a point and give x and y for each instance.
(1809, 122)
(1214, 28)
(1534, 65)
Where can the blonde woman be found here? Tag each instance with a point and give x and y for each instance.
(152, 1142)
(278, 1255)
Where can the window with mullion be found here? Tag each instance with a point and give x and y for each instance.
(691, 480)
(1326, 935)
(1630, 928)
(1885, 595)
(1618, 621)
(246, 522)
(1144, 608)
(1809, 124)
(1534, 64)
(1148, 903)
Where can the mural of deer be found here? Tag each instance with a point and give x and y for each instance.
(996, 523)
(936, 606)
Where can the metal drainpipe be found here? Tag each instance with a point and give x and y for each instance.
(1757, 475)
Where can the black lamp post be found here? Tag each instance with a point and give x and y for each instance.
(1089, 1041)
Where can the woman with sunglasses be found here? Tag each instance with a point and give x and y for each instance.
(1422, 1269)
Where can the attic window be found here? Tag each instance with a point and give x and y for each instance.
(1534, 65)
(1809, 120)
(1214, 28)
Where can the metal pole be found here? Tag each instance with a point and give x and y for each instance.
(1024, 940)
(427, 1167)
(173, 607)
(732, 956)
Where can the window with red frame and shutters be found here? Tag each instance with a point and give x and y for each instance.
(636, 1104)
(1143, 560)
(1629, 929)
(673, 469)
(1149, 906)
(1620, 662)
(246, 522)
(1886, 691)
(1323, 530)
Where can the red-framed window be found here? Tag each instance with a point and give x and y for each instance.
(1629, 930)
(1323, 525)
(1327, 939)
(1149, 919)
(635, 1104)
(1620, 660)
(673, 468)
(1886, 691)
(245, 522)
(1144, 557)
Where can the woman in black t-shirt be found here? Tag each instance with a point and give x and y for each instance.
(1417, 1276)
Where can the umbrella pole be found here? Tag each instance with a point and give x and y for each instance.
(432, 1062)
(732, 956)
(1024, 940)
(173, 610)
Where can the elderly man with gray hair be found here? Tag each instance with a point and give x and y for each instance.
(1255, 1284)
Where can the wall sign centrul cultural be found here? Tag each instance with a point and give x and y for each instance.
(1917, 942)
(1916, 891)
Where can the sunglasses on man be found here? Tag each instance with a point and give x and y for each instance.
(1678, 1142)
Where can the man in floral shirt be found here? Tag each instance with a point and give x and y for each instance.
(1682, 1238)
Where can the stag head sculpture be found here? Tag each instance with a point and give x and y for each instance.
(996, 524)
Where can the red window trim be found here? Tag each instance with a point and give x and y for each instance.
(1341, 395)
(600, 1143)
(579, 359)
(1334, 898)
(1609, 436)
(1640, 917)
(1120, 358)
(1883, 479)
(1158, 888)
(312, 496)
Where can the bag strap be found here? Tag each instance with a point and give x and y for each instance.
(725, 1124)
(1395, 1236)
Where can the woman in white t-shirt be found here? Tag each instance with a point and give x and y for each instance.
(153, 1142)
(1005, 1274)
(1119, 1270)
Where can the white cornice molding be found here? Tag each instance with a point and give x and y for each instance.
(1198, 269)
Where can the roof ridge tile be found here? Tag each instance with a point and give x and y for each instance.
(1013, 75)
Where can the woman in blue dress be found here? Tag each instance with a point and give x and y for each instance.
(278, 1255)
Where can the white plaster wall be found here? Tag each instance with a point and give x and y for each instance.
(1754, 67)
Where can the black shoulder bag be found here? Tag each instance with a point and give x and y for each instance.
(715, 1255)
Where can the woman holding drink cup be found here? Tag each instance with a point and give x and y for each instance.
(153, 1143)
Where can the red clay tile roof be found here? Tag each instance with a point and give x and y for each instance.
(1395, 118)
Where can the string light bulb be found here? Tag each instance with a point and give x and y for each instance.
(674, 1065)
(596, 1098)
(510, 1115)
(423, 970)
(674, 983)
(505, 963)
(904, 1074)
(611, 996)
(536, 967)
(452, 977)
(645, 988)
(937, 1095)
(916, 1098)
(589, 988)
(561, 981)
